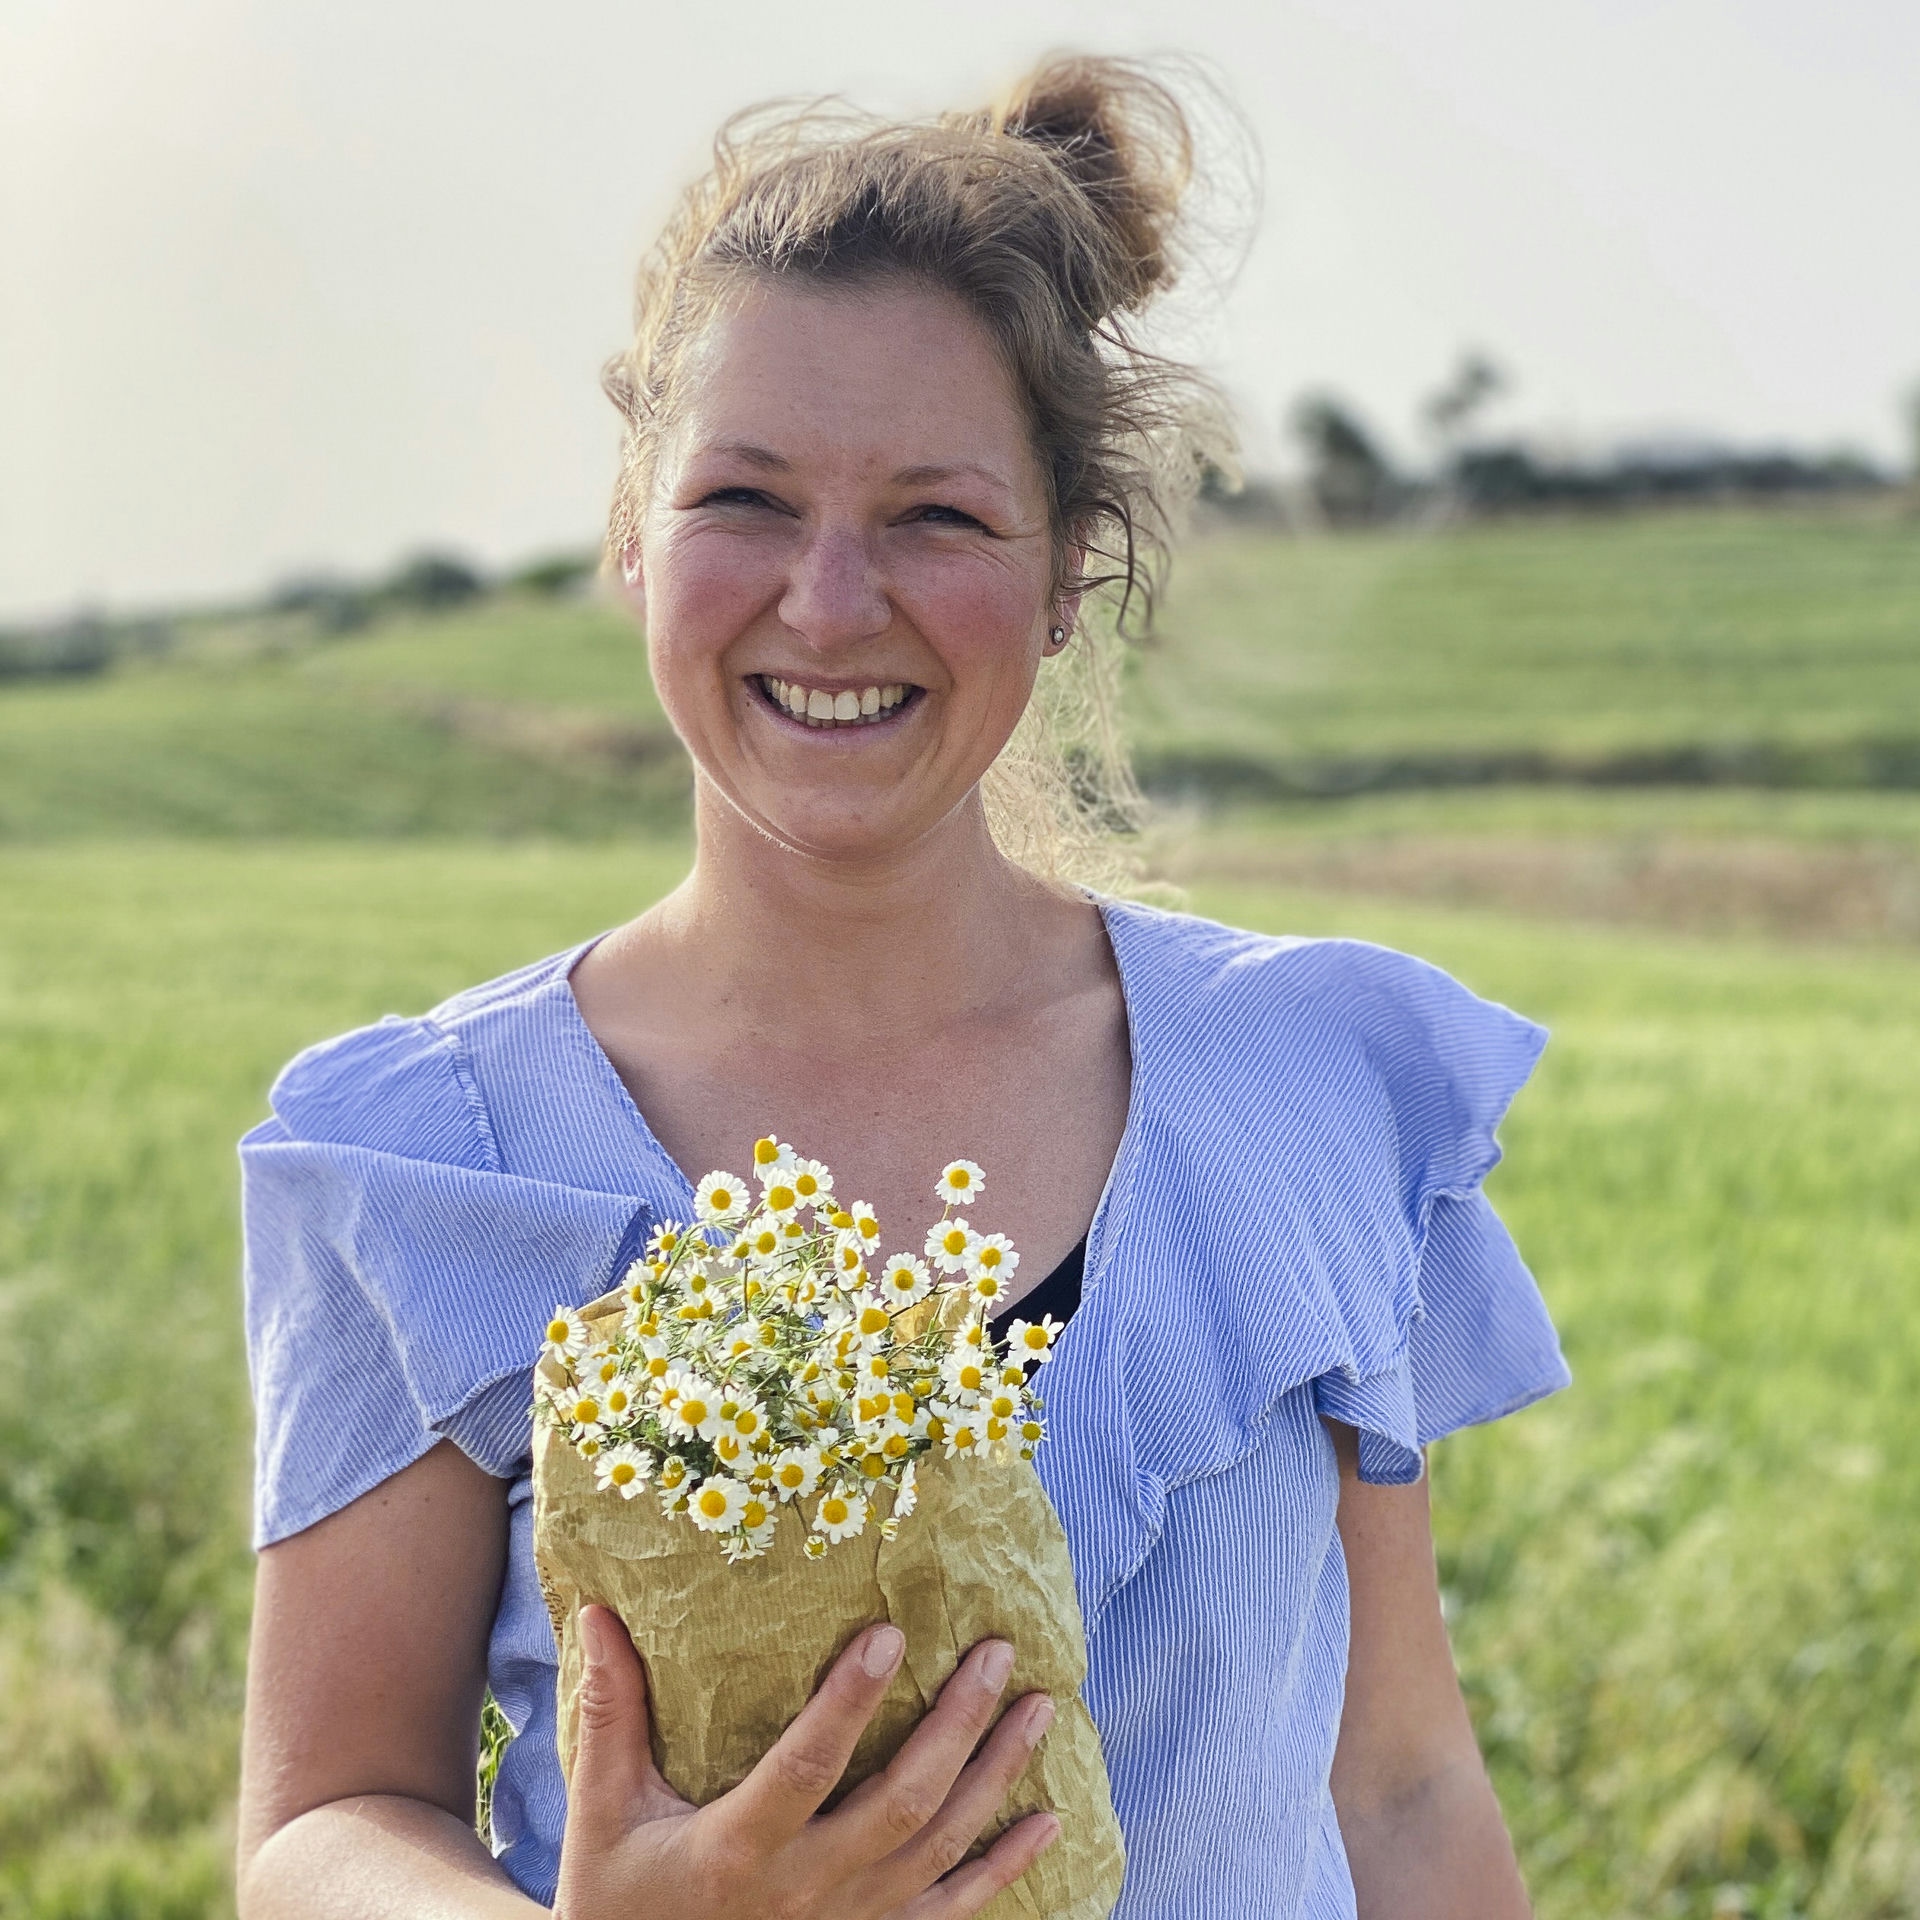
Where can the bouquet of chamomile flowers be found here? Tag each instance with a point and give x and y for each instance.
(771, 1434)
(768, 1362)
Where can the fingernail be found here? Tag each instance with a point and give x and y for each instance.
(1039, 1719)
(882, 1652)
(996, 1664)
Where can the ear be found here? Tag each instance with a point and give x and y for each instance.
(630, 571)
(1066, 606)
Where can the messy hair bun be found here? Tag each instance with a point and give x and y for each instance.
(1122, 138)
(1055, 215)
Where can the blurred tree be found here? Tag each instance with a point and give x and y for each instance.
(1476, 379)
(334, 605)
(1351, 479)
(555, 575)
(434, 580)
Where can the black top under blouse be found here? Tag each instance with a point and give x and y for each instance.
(1058, 1294)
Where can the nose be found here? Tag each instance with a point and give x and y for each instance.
(834, 593)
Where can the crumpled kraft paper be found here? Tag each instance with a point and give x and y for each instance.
(734, 1652)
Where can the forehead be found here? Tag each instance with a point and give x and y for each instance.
(880, 379)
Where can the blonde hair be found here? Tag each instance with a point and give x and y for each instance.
(1054, 216)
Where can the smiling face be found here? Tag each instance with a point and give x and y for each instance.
(845, 563)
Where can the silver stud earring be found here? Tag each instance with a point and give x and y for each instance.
(1058, 635)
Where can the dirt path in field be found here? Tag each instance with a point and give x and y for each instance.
(1787, 890)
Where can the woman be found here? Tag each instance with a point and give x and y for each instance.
(885, 429)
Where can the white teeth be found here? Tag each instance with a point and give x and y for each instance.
(819, 708)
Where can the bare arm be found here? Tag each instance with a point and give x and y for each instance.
(1423, 1832)
(364, 1684)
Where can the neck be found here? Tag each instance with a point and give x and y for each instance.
(904, 943)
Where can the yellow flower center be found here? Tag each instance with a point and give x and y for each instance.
(805, 1185)
(834, 1510)
(780, 1198)
(792, 1474)
(765, 1152)
(873, 1466)
(557, 1331)
(754, 1513)
(693, 1412)
(712, 1502)
(896, 1446)
(721, 1199)
(586, 1411)
(870, 1228)
(622, 1473)
(990, 1257)
(960, 1179)
(954, 1241)
(970, 1378)
(873, 1319)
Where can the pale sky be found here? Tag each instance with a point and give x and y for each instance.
(287, 285)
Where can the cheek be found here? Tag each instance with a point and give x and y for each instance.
(978, 616)
(702, 592)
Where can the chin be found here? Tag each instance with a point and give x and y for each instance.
(839, 831)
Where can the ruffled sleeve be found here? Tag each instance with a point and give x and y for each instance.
(396, 1276)
(1478, 1342)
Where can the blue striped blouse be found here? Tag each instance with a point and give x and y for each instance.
(1295, 1212)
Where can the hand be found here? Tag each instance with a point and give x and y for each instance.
(890, 1851)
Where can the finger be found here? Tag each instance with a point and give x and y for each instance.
(614, 1779)
(977, 1796)
(804, 1765)
(892, 1808)
(969, 1888)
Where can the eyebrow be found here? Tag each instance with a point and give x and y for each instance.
(929, 474)
(934, 474)
(754, 455)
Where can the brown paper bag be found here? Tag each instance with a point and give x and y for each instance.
(733, 1652)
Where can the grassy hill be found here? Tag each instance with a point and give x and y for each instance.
(1762, 650)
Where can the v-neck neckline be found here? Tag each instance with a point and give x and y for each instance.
(1113, 914)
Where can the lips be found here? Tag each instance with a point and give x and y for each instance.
(847, 707)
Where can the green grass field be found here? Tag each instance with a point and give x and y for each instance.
(1682, 1593)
